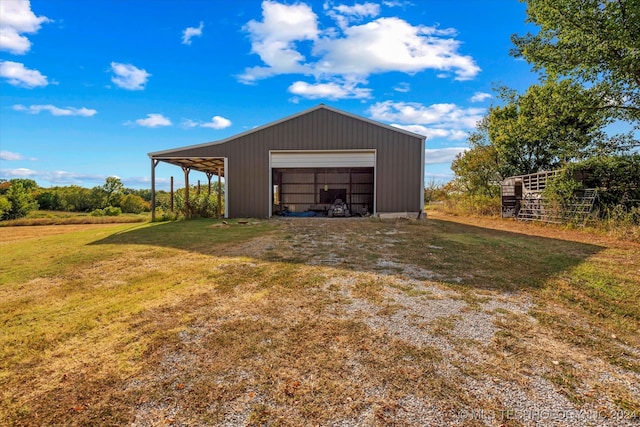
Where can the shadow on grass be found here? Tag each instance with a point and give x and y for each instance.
(449, 252)
(200, 235)
(494, 259)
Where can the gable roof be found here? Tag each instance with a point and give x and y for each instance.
(162, 153)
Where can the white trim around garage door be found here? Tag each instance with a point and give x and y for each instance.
(323, 159)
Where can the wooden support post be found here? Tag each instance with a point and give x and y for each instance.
(198, 192)
(219, 194)
(154, 163)
(171, 192)
(209, 175)
(187, 208)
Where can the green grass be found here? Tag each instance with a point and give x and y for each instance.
(98, 321)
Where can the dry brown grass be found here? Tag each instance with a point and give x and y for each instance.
(319, 322)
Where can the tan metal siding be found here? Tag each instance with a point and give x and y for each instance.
(398, 159)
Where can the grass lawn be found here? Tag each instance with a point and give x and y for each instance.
(39, 217)
(289, 322)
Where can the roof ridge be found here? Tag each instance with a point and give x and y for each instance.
(285, 119)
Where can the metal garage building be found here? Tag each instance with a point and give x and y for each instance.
(306, 160)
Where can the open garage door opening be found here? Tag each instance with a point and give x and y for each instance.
(314, 191)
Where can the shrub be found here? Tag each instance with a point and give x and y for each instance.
(474, 205)
(133, 204)
(108, 211)
(162, 215)
(615, 178)
(200, 206)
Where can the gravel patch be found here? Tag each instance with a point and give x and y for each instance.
(415, 309)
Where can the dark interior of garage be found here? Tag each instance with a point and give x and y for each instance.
(314, 190)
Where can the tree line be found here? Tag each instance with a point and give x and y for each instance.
(19, 196)
(587, 54)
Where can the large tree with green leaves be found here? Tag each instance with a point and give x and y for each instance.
(478, 170)
(19, 199)
(596, 42)
(547, 127)
(542, 129)
(113, 189)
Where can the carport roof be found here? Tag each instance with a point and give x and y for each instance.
(208, 165)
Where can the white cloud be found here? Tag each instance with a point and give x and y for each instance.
(392, 44)
(55, 177)
(480, 96)
(17, 173)
(56, 111)
(128, 76)
(217, 122)
(359, 10)
(442, 155)
(191, 32)
(17, 18)
(274, 39)
(450, 115)
(395, 3)
(438, 177)
(344, 15)
(426, 131)
(154, 121)
(402, 87)
(387, 44)
(60, 177)
(435, 132)
(9, 156)
(188, 123)
(331, 90)
(445, 121)
(19, 75)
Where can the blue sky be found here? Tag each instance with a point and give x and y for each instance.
(88, 88)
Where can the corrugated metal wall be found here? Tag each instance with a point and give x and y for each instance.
(398, 169)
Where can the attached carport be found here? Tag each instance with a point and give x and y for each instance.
(210, 166)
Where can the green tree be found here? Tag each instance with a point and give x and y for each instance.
(132, 203)
(76, 199)
(49, 199)
(98, 198)
(28, 185)
(547, 127)
(478, 170)
(113, 188)
(596, 42)
(5, 206)
(22, 200)
(145, 193)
